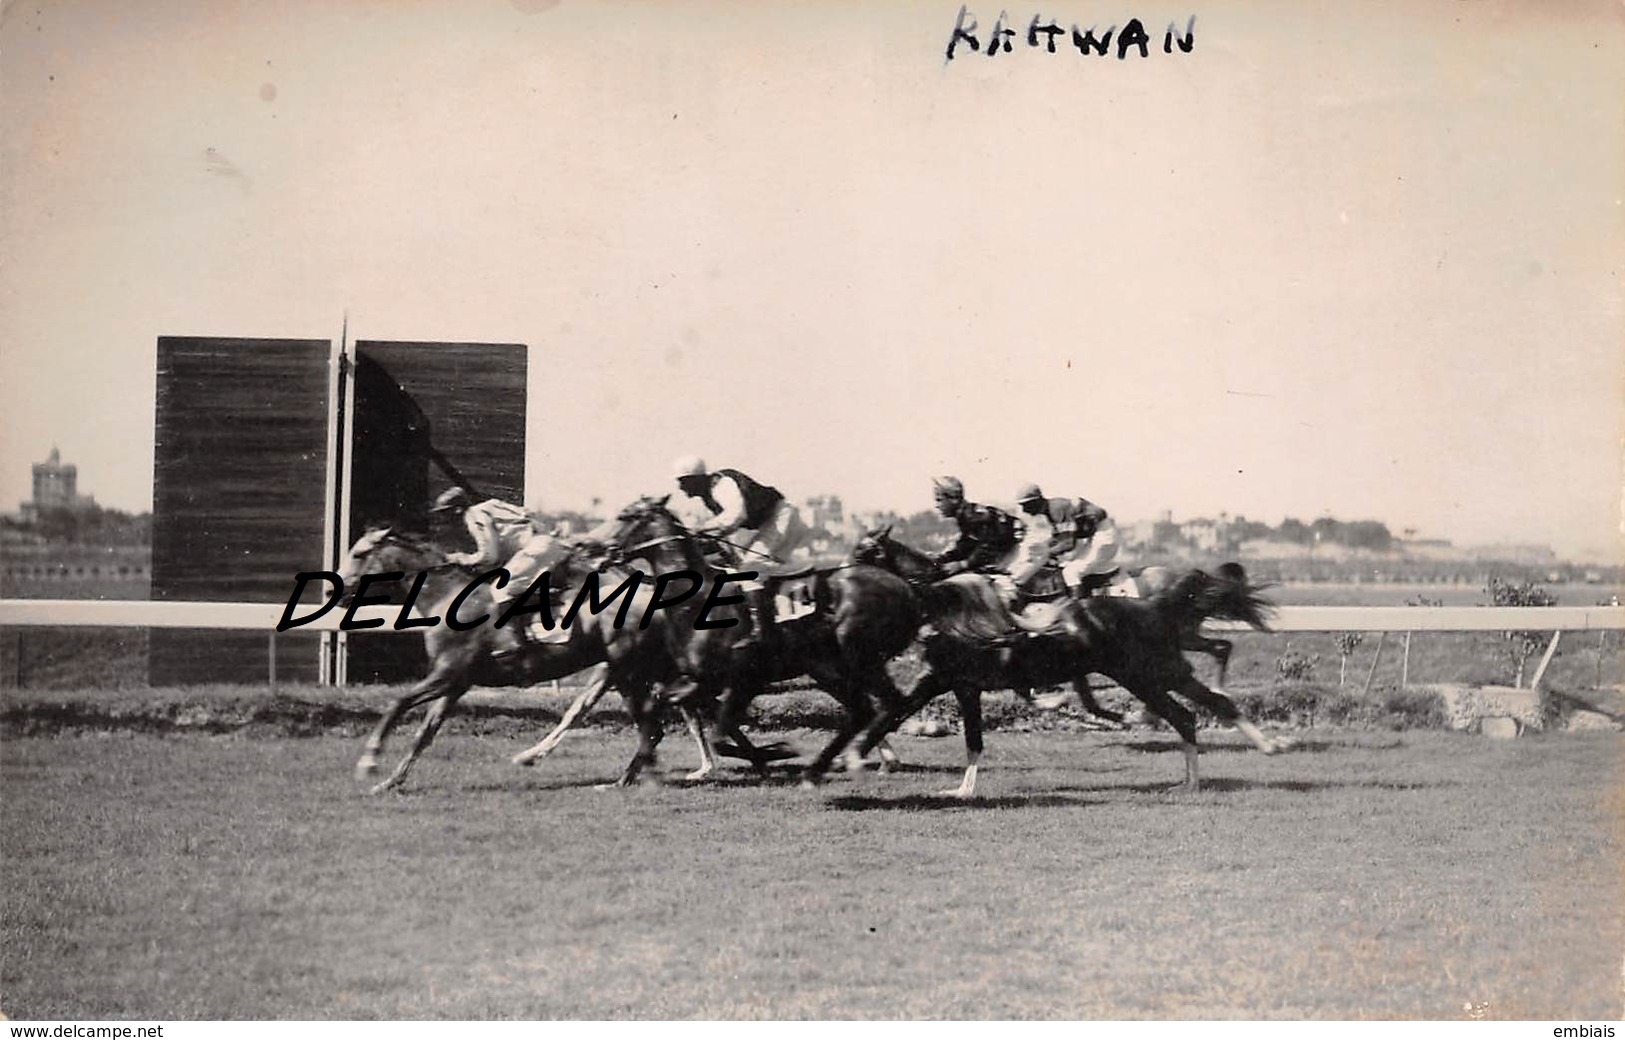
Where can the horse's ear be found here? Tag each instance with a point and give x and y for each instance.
(663, 499)
(885, 532)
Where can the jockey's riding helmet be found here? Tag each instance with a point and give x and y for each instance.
(1029, 493)
(688, 466)
(451, 498)
(947, 487)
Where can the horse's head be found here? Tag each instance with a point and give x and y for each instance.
(875, 549)
(647, 530)
(384, 549)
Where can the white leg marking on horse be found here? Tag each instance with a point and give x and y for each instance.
(967, 786)
(583, 702)
(1254, 734)
(888, 757)
(708, 760)
(1192, 782)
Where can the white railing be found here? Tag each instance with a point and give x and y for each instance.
(264, 617)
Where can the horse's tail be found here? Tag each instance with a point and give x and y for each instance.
(1233, 597)
(967, 607)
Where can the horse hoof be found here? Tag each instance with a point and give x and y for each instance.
(381, 788)
(365, 769)
(957, 793)
(852, 762)
(698, 774)
(809, 784)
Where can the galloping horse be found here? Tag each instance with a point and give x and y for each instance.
(863, 617)
(879, 549)
(975, 645)
(630, 659)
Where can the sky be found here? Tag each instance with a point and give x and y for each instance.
(1348, 259)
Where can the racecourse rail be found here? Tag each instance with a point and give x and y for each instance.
(263, 617)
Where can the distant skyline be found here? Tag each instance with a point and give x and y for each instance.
(1350, 261)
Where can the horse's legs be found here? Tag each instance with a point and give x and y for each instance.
(970, 715)
(582, 704)
(927, 689)
(1152, 695)
(889, 759)
(431, 686)
(426, 733)
(1218, 649)
(1086, 697)
(696, 729)
(646, 718)
(1221, 705)
(852, 694)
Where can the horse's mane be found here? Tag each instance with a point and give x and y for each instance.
(1229, 596)
(903, 557)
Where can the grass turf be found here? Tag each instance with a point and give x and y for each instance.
(1367, 875)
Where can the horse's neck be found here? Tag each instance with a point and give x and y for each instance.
(441, 584)
(914, 564)
(675, 556)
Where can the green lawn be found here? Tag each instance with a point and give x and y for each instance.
(1366, 875)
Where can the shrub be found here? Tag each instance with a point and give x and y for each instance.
(1413, 708)
(1294, 666)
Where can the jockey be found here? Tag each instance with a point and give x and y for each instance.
(1076, 534)
(504, 536)
(987, 536)
(751, 517)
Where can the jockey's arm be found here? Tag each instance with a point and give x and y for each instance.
(481, 521)
(727, 495)
(1034, 550)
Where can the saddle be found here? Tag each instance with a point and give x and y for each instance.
(1039, 619)
(794, 587)
(795, 595)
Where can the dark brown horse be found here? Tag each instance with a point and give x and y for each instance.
(863, 617)
(974, 644)
(878, 548)
(628, 658)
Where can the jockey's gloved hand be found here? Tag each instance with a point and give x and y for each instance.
(955, 567)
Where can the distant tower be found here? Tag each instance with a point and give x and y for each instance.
(55, 485)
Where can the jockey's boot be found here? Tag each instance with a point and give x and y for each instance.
(1091, 585)
(762, 637)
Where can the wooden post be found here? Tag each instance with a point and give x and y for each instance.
(1374, 659)
(1405, 665)
(1546, 659)
(271, 658)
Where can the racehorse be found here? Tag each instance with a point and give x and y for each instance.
(879, 549)
(975, 644)
(863, 617)
(630, 659)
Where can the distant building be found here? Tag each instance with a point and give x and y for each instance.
(1202, 535)
(56, 486)
(825, 511)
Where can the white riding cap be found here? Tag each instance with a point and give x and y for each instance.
(689, 466)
